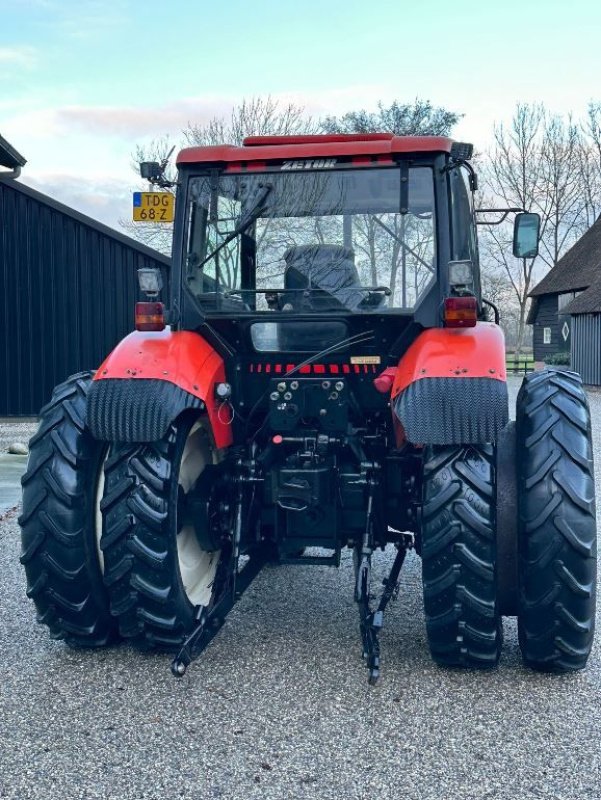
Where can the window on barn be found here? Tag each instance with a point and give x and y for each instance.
(546, 335)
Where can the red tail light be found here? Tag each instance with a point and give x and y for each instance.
(150, 316)
(460, 312)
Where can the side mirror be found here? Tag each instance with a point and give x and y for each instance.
(526, 229)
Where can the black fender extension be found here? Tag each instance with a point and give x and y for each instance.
(456, 410)
(136, 409)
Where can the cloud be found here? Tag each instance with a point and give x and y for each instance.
(107, 199)
(145, 121)
(19, 56)
(30, 124)
(140, 121)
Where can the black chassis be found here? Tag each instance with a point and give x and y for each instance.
(315, 464)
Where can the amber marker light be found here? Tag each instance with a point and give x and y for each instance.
(150, 316)
(460, 312)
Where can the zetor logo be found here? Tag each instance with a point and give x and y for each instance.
(313, 163)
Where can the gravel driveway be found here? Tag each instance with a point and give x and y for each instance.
(279, 706)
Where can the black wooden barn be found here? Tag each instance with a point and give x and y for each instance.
(569, 291)
(68, 287)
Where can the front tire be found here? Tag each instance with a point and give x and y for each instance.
(158, 576)
(557, 527)
(459, 556)
(60, 523)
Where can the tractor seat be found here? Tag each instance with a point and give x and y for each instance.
(327, 267)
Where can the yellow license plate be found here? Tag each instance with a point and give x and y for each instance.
(153, 207)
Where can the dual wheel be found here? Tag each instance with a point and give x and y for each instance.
(108, 546)
(110, 550)
(555, 548)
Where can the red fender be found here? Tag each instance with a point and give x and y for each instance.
(180, 357)
(477, 352)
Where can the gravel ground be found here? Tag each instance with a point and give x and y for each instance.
(279, 707)
(15, 432)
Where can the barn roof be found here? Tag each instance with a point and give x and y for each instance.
(9, 157)
(88, 221)
(589, 302)
(579, 268)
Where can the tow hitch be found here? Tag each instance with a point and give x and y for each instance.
(371, 621)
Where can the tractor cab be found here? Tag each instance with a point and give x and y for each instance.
(327, 253)
(322, 225)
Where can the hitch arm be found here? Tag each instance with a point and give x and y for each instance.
(209, 622)
(371, 621)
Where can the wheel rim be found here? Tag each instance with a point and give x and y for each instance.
(197, 566)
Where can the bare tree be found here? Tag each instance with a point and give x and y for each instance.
(589, 165)
(403, 119)
(533, 164)
(498, 289)
(561, 203)
(396, 246)
(155, 235)
(256, 116)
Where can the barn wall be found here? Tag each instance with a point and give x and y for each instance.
(586, 347)
(67, 295)
(546, 317)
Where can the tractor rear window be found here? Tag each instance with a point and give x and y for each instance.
(311, 241)
(296, 336)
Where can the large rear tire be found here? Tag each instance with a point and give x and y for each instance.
(557, 528)
(459, 556)
(158, 576)
(60, 523)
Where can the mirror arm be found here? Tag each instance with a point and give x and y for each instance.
(504, 211)
(494, 308)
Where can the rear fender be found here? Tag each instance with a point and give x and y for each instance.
(150, 379)
(450, 387)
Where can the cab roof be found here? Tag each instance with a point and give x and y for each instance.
(267, 148)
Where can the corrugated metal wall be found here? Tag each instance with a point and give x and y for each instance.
(586, 347)
(67, 294)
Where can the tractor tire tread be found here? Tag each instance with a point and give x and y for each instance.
(459, 556)
(141, 574)
(58, 544)
(557, 528)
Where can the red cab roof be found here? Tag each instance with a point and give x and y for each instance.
(266, 148)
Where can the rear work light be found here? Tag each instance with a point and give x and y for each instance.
(150, 316)
(462, 151)
(460, 312)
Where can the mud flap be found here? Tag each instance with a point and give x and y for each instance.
(456, 410)
(135, 410)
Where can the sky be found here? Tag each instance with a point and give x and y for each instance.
(82, 82)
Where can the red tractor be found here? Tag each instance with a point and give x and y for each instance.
(325, 375)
